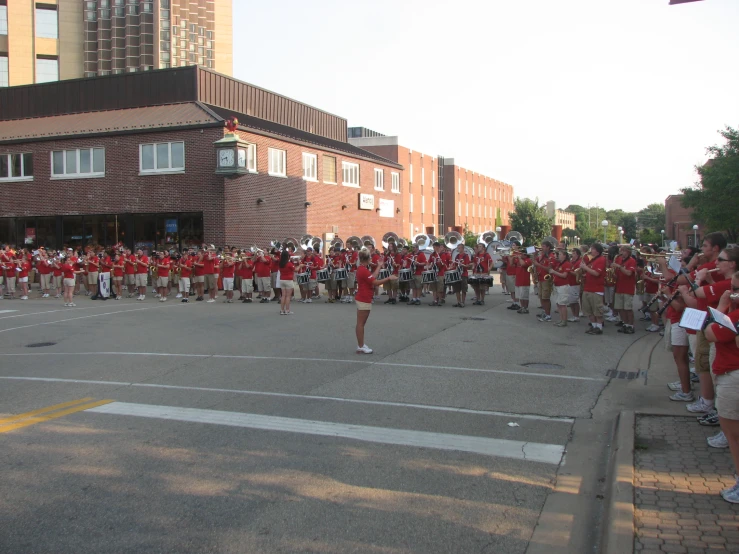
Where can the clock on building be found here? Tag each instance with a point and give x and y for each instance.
(231, 155)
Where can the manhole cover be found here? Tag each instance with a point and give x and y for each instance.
(472, 318)
(39, 344)
(537, 365)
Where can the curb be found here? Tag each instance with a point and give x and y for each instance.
(618, 533)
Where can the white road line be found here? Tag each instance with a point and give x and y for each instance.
(363, 361)
(519, 450)
(81, 317)
(8, 312)
(47, 312)
(302, 396)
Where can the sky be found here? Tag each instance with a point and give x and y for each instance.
(609, 102)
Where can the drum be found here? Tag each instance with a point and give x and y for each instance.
(428, 276)
(454, 276)
(485, 280)
(303, 278)
(323, 275)
(340, 274)
(384, 274)
(405, 275)
(472, 280)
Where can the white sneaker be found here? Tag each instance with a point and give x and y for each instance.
(210, 300)
(157, 295)
(573, 319)
(72, 305)
(45, 296)
(613, 319)
(24, 298)
(141, 297)
(58, 296)
(66, 303)
(653, 328)
(682, 397)
(581, 314)
(309, 301)
(178, 295)
(364, 350)
(700, 407)
(675, 386)
(718, 441)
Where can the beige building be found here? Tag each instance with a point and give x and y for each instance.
(560, 217)
(67, 39)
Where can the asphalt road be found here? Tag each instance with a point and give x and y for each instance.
(229, 428)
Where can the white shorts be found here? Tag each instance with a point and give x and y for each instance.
(574, 294)
(23, 279)
(69, 282)
(247, 287)
(563, 295)
(678, 335)
(522, 293)
(184, 284)
(228, 283)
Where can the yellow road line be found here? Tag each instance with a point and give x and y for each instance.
(5, 420)
(55, 415)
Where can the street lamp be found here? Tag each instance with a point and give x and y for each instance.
(695, 236)
(605, 228)
(662, 232)
(577, 240)
(498, 230)
(620, 234)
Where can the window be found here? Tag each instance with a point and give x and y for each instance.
(379, 179)
(459, 208)
(411, 202)
(433, 205)
(251, 158)
(3, 20)
(423, 176)
(410, 174)
(433, 178)
(329, 169)
(47, 70)
(277, 162)
(459, 185)
(395, 186)
(16, 167)
(310, 167)
(162, 157)
(350, 174)
(83, 162)
(4, 78)
(423, 204)
(466, 210)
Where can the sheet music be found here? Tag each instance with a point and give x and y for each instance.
(674, 264)
(531, 249)
(693, 319)
(722, 319)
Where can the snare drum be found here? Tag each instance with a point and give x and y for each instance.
(384, 274)
(405, 275)
(322, 275)
(486, 280)
(303, 278)
(428, 276)
(340, 274)
(454, 276)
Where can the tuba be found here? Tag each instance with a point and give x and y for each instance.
(453, 239)
(305, 241)
(388, 239)
(337, 243)
(368, 241)
(317, 244)
(355, 242)
(276, 244)
(291, 243)
(487, 238)
(515, 236)
(423, 241)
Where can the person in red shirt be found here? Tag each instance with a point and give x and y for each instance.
(352, 259)
(228, 273)
(245, 270)
(57, 275)
(117, 274)
(184, 266)
(404, 287)
(542, 262)
(129, 271)
(210, 279)
(594, 275)
(24, 265)
(393, 260)
(510, 278)
(198, 275)
(69, 270)
(624, 266)
(418, 264)
(481, 265)
(263, 269)
(142, 273)
(560, 272)
(365, 285)
(575, 288)
(523, 281)
(287, 284)
(463, 263)
(92, 265)
(438, 261)
(163, 264)
(106, 264)
(274, 268)
(43, 266)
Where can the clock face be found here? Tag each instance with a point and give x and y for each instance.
(225, 158)
(242, 157)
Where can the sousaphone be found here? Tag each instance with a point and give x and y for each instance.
(487, 237)
(388, 239)
(555, 242)
(337, 243)
(453, 239)
(515, 236)
(423, 241)
(305, 241)
(368, 241)
(291, 243)
(354, 241)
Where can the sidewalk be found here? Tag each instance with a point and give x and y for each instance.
(675, 476)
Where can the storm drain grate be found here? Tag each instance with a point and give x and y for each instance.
(40, 344)
(538, 365)
(473, 318)
(615, 374)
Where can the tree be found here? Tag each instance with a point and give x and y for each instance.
(652, 218)
(470, 238)
(530, 219)
(715, 201)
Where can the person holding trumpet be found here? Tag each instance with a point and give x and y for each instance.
(560, 274)
(594, 274)
(542, 263)
(624, 266)
(366, 280)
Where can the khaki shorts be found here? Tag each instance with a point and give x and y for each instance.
(363, 306)
(198, 279)
(351, 279)
(727, 394)
(574, 294)
(701, 354)
(117, 279)
(228, 283)
(10, 284)
(522, 293)
(623, 301)
(678, 335)
(141, 279)
(247, 287)
(162, 281)
(461, 286)
(592, 304)
(417, 283)
(175, 279)
(390, 285)
(45, 280)
(563, 295)
(92, 278)
(510, 283)
(437, 285)
(545, 290)
(68, 282)
(211, 281)
(129, 279)
(273, 280)
(287, 284)
(263, 284)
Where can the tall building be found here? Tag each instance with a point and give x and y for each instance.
(560, 217)
(437, 195)
(67, 39)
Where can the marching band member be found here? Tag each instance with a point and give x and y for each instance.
(651, 289)
(483, 262)
(274, 268)
(560, 273)
(374, 262)
(287, 284)
(263, 270)
(623, 302)
(43, 266)
(184, 266)
(69, 269)
(210, 275)
(594, 273)
(80, 257)
(542, 262)
(117, 275)
(366, 281)
(331, 283)
(404, 287)
(610, 286)
(106, 264)
(57, 277)
(246, 270)
(511, 271)
(25, 267)
(228, 272)
(142, 272)
(92, 263)
(418, 262)
(351, 278)
(393, 261)
(198, 275)
(308, 265)
(4, 264)
(523, 282)
(129, 272)
(574, 290)
(440, 262)
(463, 263)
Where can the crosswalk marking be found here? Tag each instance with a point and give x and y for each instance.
(529, 451)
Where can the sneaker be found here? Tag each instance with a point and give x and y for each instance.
(573, 319)
(229, 301)
(210, 300)
(710, 419)
(613, 319)
(24, 298)
(682, 397)
(700, 407)
(179, 295)
(141, 297)
(45, 296)
(545, 318)
(694, 377)
(730, 489)
(620, 323)
(66, 303)
(523, 311)
(289, 313)
(675, 386)
(718, 441)
(161, 299)
(581, 314)
(561, 324)
(72, 305)
(653, 328)
(184, 300)
(58, 296)
(309, 301)
(364, 350)
(513, 307)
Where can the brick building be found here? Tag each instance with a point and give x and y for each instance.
(438, 195)
(132, 158)
(560, 217)
(679, 223)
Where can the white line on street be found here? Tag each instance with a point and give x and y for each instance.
(302, 396)
(363, 361)
(8, 312)
(529, 451)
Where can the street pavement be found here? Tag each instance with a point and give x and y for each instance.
(228, 428)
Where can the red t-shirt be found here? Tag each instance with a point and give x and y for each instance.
(228, 271)
(626, 284)
(93, 264)
(117, 269)
(463, 260)
(263, 268)
(208, 265)
(523, 277)
(198, 270)
(57, 271)
(511, 266)
(312, 262)
(68, 270)
(364, 285)
(106, 264)
(130, 264)
(713, 294)
(563, 268)
(274, 266)
(442, 260)
(245, 269)
(545, 261)
(709, 266)
(397, 262)
(43, 267)
(595, 283)
(287, 273)
(727, 352)
(353, 258)
(25, 268)
(375, 260)
(142, 265)
(420, 262)
(649, 286)
(572, 278)
(185, 268)
(163, 267)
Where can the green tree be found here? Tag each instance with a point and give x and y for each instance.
(651, 218)
(530, 219)
(470, 238)
(715, 201)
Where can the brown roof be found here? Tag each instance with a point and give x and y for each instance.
(186, 114)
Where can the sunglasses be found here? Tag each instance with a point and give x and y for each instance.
(723, 260)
